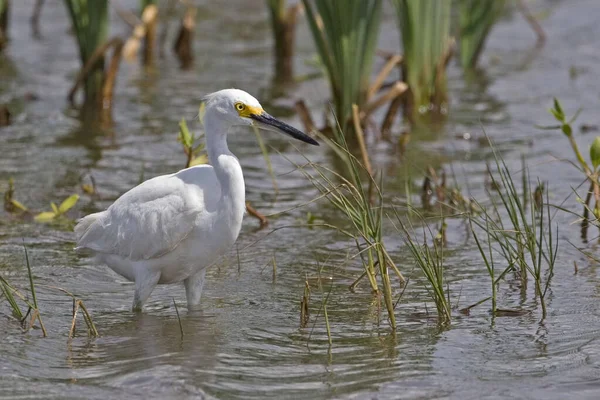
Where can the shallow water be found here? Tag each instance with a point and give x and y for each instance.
(246, 342)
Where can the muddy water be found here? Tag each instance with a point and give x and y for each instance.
(246, 342)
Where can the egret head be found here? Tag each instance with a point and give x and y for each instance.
(236, 107)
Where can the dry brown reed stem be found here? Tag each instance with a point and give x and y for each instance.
(535, 25)
(183, 43)
(150, 19)
(98, 54)
(142, 29)
(390, 116)
(361, 139)
(395, 91)
(383, 74)
(305, 116)
(256, 214)
(111, 76)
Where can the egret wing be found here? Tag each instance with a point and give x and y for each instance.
(153, 218)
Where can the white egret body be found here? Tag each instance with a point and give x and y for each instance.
(171, 228)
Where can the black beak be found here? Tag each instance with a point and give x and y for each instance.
(268, 122)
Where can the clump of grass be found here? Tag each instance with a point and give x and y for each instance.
(524, 235)
(353, 197)
(425, 36)
(429, 257)
(10, 292)
(476, 18)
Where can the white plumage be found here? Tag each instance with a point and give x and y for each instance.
(171, 228)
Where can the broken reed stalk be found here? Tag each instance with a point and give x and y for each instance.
(149, 12)
(178, 317)
(304, 311)
(183, 43)
(108, 77)
(283, 24)
(253, 212)
(385, 71)
(535, 25)
(4, 20)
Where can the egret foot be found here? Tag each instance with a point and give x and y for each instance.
(145, 282)
(193, 289)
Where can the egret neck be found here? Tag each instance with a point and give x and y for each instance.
(227, 169)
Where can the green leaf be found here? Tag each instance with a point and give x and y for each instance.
(202, 159)
(558, 111)
(595, 152)
(68, 203)
(45, 216)
(184, 134)
(567, 130)
(18, 204)
(54, 208)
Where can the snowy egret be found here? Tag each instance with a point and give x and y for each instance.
(171, 228)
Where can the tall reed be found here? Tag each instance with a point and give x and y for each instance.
(345, 34)
(476, 18)
(90, 25)
(425, 35)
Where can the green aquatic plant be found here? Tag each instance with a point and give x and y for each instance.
(524, 234)
(359, 197)
(89, 19)
(429, 257)
(58, 211)
(591, 173)
(11, 294)
(194, 152)
(425, 36)
(476, 18)
(11, 204)
(345, 34)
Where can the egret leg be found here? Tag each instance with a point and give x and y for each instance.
(193, 288)
(145, 282)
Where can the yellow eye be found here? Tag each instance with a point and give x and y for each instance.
(240, 106)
